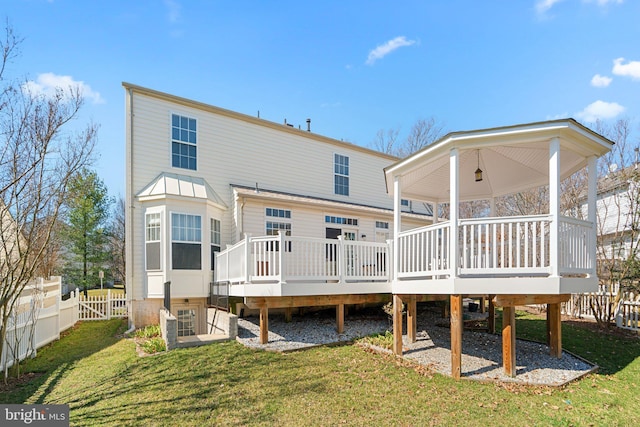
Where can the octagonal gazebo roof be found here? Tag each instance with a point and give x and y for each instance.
(512, 159)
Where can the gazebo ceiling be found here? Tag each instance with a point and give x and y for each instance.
(512, 159)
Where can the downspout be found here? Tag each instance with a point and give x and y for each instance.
(129, 230)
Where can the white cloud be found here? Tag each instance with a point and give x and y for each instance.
(604, 2)
(600, 81)
(600, 110)
(173, 10)
(542, 6)
(630, 69)
(47, 84)
(384, 49)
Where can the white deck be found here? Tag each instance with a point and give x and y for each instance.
(492, 252)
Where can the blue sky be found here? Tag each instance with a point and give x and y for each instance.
(353, 67)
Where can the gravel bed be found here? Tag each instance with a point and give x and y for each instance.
(481, 352)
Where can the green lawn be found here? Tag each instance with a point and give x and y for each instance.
(106, 383)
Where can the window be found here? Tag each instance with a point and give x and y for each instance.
(215, 241)
(272, 230)
(382, 224)
(340, 220)
(186, 323)
(152, 241)
(341, 177)
(186, 235)
(278, 213)
(183, 142)
(404, 202)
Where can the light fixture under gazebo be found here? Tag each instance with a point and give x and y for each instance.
(478, 171)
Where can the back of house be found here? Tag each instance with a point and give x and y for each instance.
(200, 177)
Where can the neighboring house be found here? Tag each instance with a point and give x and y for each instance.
(618, 214)
(200, 177)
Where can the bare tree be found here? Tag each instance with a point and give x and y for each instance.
(386, 141)
(38, 157)
(422, 133)
(117, 241)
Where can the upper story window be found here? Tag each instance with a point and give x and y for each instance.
(341, 174)
(183, 142)
(186, 238)
(382, 224)
(404, 202)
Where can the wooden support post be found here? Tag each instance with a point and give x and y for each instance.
(340, 318)
(548, 323)
(483, 305)
(412, 321)
(397, 325)
(287, 314)
(264, 324)
(457, 324)
(509, 340)
(491, 320)
(555, 330)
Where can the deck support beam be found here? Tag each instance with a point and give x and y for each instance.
(491, 319)
(340, 318)
(264, 325)
(554, 326)
(457, 324)
(397, 325)
(412, 321)
(509, 340)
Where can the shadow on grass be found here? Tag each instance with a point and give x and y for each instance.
(55, 359)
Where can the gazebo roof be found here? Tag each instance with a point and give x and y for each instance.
(512, 159)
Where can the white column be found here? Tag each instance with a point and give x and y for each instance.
(397, 225)
(436, 209)
(592, 175)
(492, 207)
(554, 205)
(454, 196)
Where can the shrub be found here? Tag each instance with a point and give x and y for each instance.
(150, 331)
(154, 345)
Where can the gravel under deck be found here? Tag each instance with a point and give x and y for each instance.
(481, 352)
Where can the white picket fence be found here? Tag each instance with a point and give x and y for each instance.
(102, 307)
(41, 315)
(627, 314)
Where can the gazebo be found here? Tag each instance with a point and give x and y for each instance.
(515, 260)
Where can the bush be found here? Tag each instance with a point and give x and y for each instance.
(154, 345)
(151, 331)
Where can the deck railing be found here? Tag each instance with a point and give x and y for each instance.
(511, 245)
(285, 258)
(497, 246)
(576, 237)
(487, 246)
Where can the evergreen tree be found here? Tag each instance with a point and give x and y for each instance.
(86, 232)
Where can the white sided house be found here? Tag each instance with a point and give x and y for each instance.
(201, 178)
(287, 218)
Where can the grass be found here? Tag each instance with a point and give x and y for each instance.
(105, 383)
